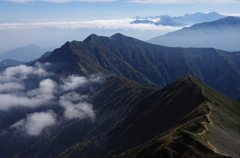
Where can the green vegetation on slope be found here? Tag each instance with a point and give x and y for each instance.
(151, 65)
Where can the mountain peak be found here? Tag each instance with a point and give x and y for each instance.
(117, 35)
(90, 38)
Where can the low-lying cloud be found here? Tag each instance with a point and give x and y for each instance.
(72, 82)
(36, 122)
(15, 92)
(74, 109)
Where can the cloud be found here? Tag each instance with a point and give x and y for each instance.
(19, 73)
(9, 87)
(58, 1)
(104, 24)
(72, 82)
(36, 122)
(185, 1)
(76, 110)
(230, 14)
(32, 99)
(17, 88)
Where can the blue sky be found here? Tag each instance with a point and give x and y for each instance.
(51, 10)
(51, 22)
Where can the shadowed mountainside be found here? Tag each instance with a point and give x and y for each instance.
(112, 100)
(151, 65)
(184, 119)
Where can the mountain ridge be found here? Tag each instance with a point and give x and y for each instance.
(190, 137)
(149, 64)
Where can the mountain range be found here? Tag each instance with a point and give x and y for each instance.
(25, 54)
(221, 34)
(151, 102)
(8, 62)
(187, 19)
(151, 65)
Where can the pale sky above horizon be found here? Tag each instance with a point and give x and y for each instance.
(23, 22)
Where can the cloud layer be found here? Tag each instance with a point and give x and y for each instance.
(15, 91)
(112, 24)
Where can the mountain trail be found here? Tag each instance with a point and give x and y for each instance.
(205, 124)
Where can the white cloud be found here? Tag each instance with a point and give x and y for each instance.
(72, 82)
(58, 1)
(21, 72)
(76, 110)
(185, 1)
(14, 92)
(32, 99)
(9, 87)
(112, 24)
(230, 14)
(36, 122)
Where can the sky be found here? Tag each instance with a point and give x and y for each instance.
(53, 22)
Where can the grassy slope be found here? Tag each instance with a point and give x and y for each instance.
(211, 130)
(180, 104)
(112, 100)
(151, 65)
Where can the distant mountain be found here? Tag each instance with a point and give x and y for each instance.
(198, 17)
(8, 62)
(221, 34)
(151, 65)
(187, 19)
(164, 20)
(25, 54)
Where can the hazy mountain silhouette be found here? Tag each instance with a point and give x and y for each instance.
(187, 19)
(25, 54)
(221, 34)
(8, 62)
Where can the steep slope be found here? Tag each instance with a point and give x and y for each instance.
(151, 65)
(112, 101)
(185, 119)
(221, 34)
(216, 135)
